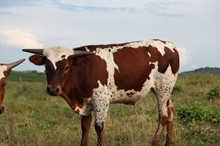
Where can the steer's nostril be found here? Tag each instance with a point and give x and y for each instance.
(53, 91)
(1, 109)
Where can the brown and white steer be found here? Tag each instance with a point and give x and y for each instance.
(92, 77)
(5, 70)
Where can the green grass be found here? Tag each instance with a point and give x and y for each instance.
(27, 76)
(34, 118)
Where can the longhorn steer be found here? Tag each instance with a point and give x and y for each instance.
(5, 70)
(91, 77)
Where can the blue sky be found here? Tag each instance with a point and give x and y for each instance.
(193, 25)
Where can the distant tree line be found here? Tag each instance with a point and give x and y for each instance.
(209, 70)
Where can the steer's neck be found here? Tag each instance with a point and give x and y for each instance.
(72, 100)
(78, 87)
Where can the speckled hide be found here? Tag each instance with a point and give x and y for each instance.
(113, 73)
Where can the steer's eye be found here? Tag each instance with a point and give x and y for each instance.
(66, 68)
(2, 85)
(47, 68)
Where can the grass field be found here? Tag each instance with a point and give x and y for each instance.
(33, 118)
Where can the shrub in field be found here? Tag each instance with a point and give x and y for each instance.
(197, 113)
(214, 93)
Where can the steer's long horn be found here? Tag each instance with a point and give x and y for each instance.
(13, 64)
(35, 51)
(81, 53)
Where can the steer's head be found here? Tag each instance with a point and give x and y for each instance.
(58, 62)
(5, 70)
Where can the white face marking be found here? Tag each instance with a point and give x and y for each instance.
(55, 54)
(160, 45)
(2, 69)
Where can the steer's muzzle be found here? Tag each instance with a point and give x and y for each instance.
(1, 109)
(53, 91)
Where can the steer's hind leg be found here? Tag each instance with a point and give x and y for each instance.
(165, 110)
(162, 120)
(170, 131)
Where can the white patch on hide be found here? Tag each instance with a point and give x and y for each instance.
(101, 100)
(136, 44)
(103, 95)
(160, 45)
(87, 107)
(164, 84)
(107, 55)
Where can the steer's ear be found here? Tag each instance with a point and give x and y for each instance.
(37, 59)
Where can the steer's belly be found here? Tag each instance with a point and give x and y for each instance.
(125, 97)
(128, 97)
(113, 96)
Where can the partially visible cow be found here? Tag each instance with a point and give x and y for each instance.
(92, 77)
(5, 70)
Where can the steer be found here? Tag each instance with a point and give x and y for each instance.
(92, 77)
(5, 70)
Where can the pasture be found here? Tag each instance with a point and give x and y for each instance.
(34, 118)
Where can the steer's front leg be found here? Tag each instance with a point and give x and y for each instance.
(85, 125)
(101, 106)
(100, 119)
(100, 133)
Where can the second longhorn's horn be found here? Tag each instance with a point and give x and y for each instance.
(13, 64)
(35, 51)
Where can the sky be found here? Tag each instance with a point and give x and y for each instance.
(192, 25)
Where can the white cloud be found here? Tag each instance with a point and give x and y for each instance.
(184, 56)
(100, 5)
(19, 39)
